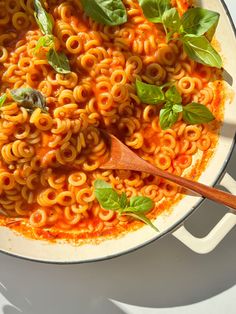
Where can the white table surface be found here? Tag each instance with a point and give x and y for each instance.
(164, 277)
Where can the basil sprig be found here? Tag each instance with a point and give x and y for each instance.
(29, 98)
(137, 207)
(108, 12)
(193, 113)
(3, 98)
(58, 60)
(195, 28)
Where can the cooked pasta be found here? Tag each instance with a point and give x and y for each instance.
(49, 161)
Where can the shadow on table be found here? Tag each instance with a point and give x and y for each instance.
(161, 275)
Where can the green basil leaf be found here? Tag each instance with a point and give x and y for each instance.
(143, 218)
(210, 34)
(173, 95)
(149, 94)
(101, 184)
(29, 98)
(108, 198)
(3, 99)
(177, 108)
(195, 113)
(200, 50)
(108, 12)
(153, 10)
(43, 19)
(140, 204)
(171, 20)
(168, 117)
(59, 61)
(44, 41)
(169, 36)
(199, 21)
(123, 200)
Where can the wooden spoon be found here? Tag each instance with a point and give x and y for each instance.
(121, 157)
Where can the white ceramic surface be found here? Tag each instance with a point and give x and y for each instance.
(66, 253)
(162, 278)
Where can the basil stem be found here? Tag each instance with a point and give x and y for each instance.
(3, 99)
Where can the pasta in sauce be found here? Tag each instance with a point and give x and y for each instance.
(49, 162)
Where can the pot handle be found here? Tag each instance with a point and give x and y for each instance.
(207, 244)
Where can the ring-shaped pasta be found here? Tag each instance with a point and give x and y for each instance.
(20, 20)
(38, 218)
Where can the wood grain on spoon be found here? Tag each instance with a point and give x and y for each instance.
(121, 157)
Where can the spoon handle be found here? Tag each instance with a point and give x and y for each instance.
(206, 191)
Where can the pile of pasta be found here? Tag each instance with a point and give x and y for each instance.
(49, 161)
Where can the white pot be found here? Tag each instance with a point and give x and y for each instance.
(15, 244)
